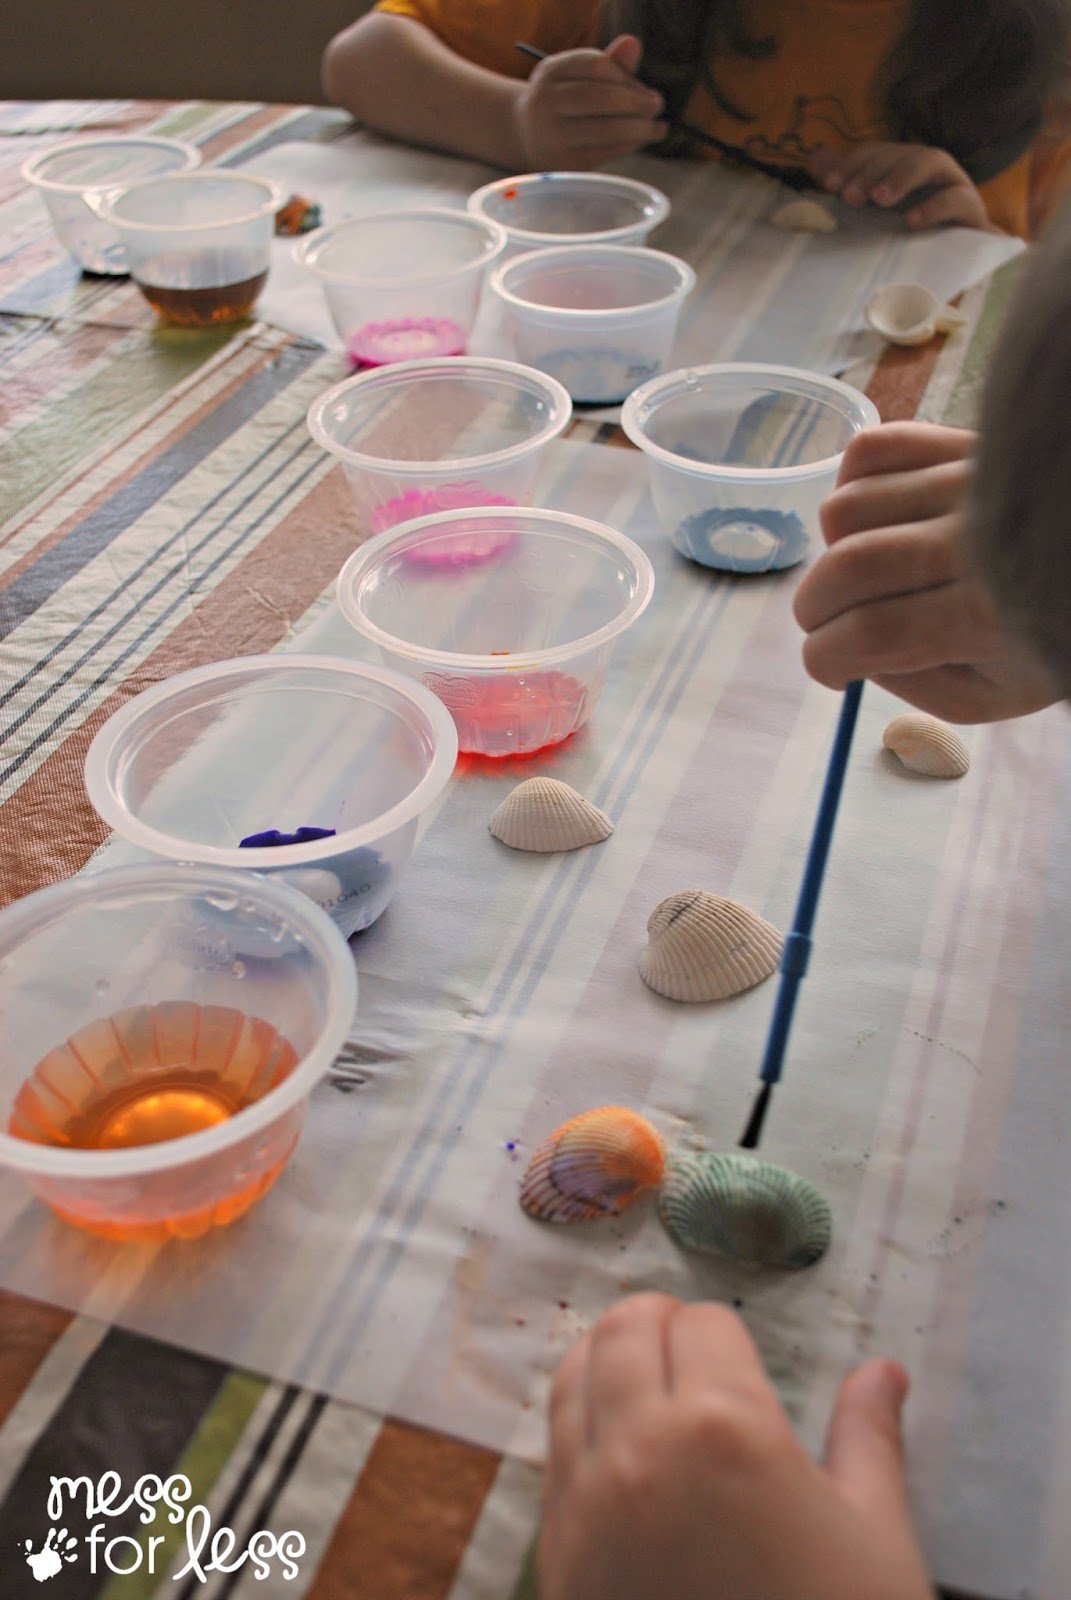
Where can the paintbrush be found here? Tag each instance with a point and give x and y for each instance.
(797, 951)
(791, 177)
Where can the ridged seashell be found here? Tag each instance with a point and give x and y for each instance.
(804, 216)
(735, 1205)
(545, 814)
(593, 1166)
(703, 947)
(909, 314)
(926, 745)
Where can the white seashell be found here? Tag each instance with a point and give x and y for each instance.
(927, 746)
(545, 814)
(908, 314)
(804, 216)
(702, 947)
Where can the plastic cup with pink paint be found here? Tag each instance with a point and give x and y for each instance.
(434, 436)
(401, 285)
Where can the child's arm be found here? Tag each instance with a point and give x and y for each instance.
(578, 109)
(896, 597)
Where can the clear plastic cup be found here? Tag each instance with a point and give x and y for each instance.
(198, 243)
(435, 435)
(67, 173)
(401, 285)
(272, 745)
(741, 455)
(599, 318)
(509, 616)
(539, 209)
(154, 1080)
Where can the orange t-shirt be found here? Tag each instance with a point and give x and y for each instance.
(821, 86)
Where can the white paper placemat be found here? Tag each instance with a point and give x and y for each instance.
(925, 1091)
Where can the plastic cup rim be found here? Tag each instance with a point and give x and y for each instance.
(660, 206)
(104, 801)
(54, 185)
(114, 193)
(447, 366)
(641, 309)
(632, 427)
(368, 554)
(49, 1161)
(494, 245)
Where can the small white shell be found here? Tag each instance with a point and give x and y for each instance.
(804, 216)
(545, 814)
(927, 746)
(703, 947)
(908, 314)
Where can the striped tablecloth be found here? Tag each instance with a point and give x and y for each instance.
(162, 507)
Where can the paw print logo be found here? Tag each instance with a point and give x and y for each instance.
(59, 1546)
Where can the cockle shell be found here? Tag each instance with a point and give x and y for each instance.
(735, 1205)
(545, 814)
(593, 1166)
(804, 216)
(926, 745)
(703, 947)
(908, 314)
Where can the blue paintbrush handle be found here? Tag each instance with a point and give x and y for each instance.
(797, 951)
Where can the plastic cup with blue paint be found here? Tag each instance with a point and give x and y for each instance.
(741, 455)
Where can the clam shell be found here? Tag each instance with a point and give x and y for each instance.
(736, 1205)
(926, 745)
(703, 947)
(909, 314)
(593, 1166)
(804, 216)
(545, 814)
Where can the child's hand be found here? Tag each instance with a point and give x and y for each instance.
(896, 599)
(673, 1471)
(582, 108)
(881, 173)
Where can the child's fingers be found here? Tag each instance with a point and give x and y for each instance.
(903, 447)
(884, 564)
(916, 167)
(960, 205)
(892, 499)
(915, 632)
(837, 172)
(592, 67)
(575, 98)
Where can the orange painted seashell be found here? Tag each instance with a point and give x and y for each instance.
(594, 1166)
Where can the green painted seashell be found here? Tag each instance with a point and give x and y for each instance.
(735, 1205)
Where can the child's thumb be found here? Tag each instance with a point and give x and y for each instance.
(864, 1446)
(625, 51)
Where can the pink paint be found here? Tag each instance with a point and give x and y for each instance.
(378, 344)
(463, 544)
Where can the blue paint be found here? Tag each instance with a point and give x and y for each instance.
(743, 539)
(598, 377)
(272, 837)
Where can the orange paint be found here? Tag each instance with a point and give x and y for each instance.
(143, 1076)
